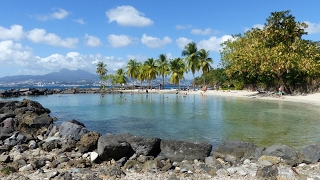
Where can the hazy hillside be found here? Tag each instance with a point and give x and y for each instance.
(64, 75)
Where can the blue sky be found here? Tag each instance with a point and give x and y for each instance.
(39, 37)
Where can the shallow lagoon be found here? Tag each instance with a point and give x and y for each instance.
(209, 118)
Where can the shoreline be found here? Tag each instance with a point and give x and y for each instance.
(310, 99)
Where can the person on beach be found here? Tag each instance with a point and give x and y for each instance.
(280, 91)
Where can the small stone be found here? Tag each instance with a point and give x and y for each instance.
(26, 168)
(94, 156)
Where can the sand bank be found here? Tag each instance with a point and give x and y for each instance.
(313, 99)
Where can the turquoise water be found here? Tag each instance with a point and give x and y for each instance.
(210, 118)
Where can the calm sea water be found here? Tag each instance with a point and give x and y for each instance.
(210, 118)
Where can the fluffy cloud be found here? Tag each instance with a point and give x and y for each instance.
(92, 41)
(201, 32)
(119, 40)
(58, 14)
(312, 27)
(153, 42)
(15, 32)
(213, 43)
(41, 36)
(182, 42)
(14, 53)
(128, 16)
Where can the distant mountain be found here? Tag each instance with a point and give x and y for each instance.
(64, 75)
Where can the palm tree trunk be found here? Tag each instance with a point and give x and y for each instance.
(194, 88)
(162, 82)
(132, 84)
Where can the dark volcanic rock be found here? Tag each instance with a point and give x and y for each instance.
(310, 154)
(287, 153)
(237, 149)
(72, 129)
(185, 150)
(88, 142)
(112, 147)
(142, 145)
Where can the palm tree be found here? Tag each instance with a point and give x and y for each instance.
(141, 75)
(192, 59)
(102, 71)
(121, 78)
(132, 70)
(163, 67)
(150, 70)
(205, 61)
(177, 69)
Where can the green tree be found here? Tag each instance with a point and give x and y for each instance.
(205, 61)
(132, 70)
(277, 50)
(141, 73)
(102, 71)
(150, 69)
(163, 67)
(177, 70)
(121, 78)
(192, 59)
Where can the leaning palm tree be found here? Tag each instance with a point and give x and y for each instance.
(150, 69)
(177, 69)
(132, 70)
(192, 59)
(102, 71)
(205, 61)
(163, 67)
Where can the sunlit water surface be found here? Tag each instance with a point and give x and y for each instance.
(210, 118)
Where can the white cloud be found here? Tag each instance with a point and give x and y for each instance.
(40, 36)
(260, 26)
(79, 21)
(92, 41)
(24, 62)
(153, 42)
(187, 26)
(313, 28)
(15, 32)
(182, 42)
(201, 32)
(58, 14)
(213, 43)
(119, 40)
(14, 53)
(128, 16)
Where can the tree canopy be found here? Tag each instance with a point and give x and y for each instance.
(277, 51)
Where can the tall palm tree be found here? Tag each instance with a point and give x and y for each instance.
(177, 69)
(205, 61)
(150, 69)
(132, 70)
(121, 78)
(163, 67)
(102, 71)
(192, 59)
(141, 75)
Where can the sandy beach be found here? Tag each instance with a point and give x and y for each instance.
(313, 99)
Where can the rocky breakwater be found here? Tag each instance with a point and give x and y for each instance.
(33, 147)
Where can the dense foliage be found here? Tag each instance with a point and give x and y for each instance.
(275, 54)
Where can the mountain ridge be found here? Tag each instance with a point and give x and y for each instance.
(64, 75)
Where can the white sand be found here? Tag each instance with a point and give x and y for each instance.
(313, 99)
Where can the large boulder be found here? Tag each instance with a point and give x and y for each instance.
(31, 122)
(143, 145)
(73, 129)
(112, 147)
(310, 154)
(288, 154)
(184, 150)
(88, 142)
(238, 149)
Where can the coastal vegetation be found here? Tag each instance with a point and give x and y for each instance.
(261, 58)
